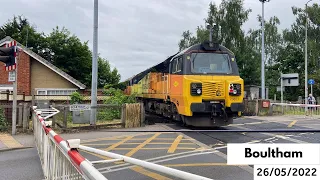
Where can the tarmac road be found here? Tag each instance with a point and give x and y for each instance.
(199, 153)
(20, 164)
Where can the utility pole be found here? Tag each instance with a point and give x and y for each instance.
(93, 115)
(14, 104)
(263, 89)
(306, 62)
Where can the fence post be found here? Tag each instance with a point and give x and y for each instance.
(25, 117)
(270, 109)
(65, 124)
(123, 115)
(53, 118)
(257, 108)
(142, 111)
(20, 114)
(33, 98)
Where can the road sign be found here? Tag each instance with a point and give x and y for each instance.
(12, 76)
(80, 107)
(290, 79)
(311, 81)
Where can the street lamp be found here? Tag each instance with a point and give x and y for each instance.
(306, 62)
(263, 95)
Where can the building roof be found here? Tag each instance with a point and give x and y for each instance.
(45, 62)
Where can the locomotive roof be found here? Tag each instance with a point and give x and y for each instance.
(164, 66)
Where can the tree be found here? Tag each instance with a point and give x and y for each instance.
(273, 44)
(21, 30)
(62, 49)
(68, 53)
(105, 75)
(230, 15)
(294, 39)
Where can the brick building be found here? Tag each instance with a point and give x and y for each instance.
(38, 75)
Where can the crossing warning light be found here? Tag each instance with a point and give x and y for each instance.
(8, 56)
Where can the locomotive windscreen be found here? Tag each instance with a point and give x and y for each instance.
(210, 63)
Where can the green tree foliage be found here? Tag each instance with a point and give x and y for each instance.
(117, 97)
(67, 52)
(3, 121)
(21, 30)
(230, 16)
(291, 57)
(76, 97)
(105, 75)
(62, 49)
(284, 51)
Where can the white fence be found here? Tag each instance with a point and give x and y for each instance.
(58, 160)
(294, 109)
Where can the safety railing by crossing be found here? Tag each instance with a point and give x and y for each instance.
(294, 109)
(59, 161)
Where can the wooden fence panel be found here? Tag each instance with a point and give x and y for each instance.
(132, 115)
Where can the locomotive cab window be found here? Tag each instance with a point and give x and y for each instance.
(176, 66)
(210, 63)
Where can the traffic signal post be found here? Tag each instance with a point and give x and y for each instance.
(8, 56)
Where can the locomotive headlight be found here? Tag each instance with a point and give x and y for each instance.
(196, 89)
(234, 91)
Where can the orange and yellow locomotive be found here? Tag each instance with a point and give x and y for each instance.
(199, 86)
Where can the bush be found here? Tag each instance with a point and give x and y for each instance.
(117, 98)
(3, 122)
(122, 86)
(76, 97)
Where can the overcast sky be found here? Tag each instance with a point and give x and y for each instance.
(134, 34)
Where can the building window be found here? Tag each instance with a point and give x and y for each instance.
(56, 92)
(40, 92)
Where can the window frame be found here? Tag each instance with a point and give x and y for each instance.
(174, 65)
(65, 91)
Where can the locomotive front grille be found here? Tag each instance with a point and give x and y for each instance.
(212, 90)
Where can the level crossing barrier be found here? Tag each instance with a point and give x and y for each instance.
(58, 160)
(152, 166)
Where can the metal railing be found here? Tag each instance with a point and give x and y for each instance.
(294, 109)
(58, 160)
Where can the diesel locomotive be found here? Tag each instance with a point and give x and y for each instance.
(199, 86)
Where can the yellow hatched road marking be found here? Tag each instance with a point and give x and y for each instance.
(118, 143)
(9, 141)
(175, 144)
(180, 148)
(292, 123)
(149, 173)
(162, 139)
(113, 138)
(126, 143)
(200, 164)
(142, 145)
(97, 155)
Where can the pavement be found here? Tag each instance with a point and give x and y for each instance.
(201, 153)
(20, 141)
